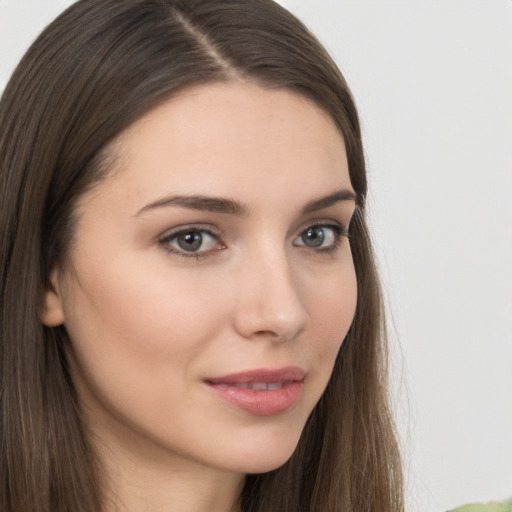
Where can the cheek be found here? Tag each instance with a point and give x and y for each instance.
(335, 310)
(332, 307)
(334, 301)
(136, 334)
(143, 309)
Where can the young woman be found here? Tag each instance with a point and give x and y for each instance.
(190, 314)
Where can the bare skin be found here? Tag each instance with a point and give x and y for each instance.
(168, 288)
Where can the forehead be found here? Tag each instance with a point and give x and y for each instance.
(252, 140)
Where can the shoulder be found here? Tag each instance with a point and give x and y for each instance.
(502, 506)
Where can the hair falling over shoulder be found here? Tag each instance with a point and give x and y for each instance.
(96, 69)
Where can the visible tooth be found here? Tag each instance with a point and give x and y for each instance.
(255, 386)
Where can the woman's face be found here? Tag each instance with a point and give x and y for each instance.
(210, 282)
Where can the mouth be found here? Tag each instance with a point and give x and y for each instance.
(261, 392)
(256, 386)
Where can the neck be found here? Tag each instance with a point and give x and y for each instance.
(150, 488)
(140, 475)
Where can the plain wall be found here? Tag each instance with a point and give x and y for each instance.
(433, 82)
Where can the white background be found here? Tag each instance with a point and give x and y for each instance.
(433, 82)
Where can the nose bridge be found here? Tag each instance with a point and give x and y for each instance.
(269, 299)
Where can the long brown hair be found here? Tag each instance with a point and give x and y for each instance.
(96, 69)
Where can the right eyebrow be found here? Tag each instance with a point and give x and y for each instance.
(200, 203)
(330, 200)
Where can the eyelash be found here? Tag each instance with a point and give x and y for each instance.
(339, 232)
(166, 240)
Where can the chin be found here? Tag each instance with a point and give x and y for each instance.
(263, 456)
(264, 464)
(267, 465)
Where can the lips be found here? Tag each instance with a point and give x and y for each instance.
(257, 386)
(261, 392)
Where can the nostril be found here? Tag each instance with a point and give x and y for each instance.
(266, 334)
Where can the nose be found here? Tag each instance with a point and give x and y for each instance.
(269, 304)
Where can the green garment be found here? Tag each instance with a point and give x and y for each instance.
(503, 506)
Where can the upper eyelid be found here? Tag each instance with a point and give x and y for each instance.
(218, 233)
(339, 232)
(166, 237)
(184, 228)
(325, 223)
(164, 240)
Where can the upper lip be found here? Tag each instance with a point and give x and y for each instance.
(264, 375)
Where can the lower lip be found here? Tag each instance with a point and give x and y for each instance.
(261, 402)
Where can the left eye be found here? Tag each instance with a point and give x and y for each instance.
(320, 236)
(191, 242)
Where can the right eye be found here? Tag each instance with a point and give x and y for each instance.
(191, 242)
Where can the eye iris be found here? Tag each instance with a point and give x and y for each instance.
(314, 237)
(190, 241)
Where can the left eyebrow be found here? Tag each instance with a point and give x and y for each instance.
(330, 200)
(201, 203)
